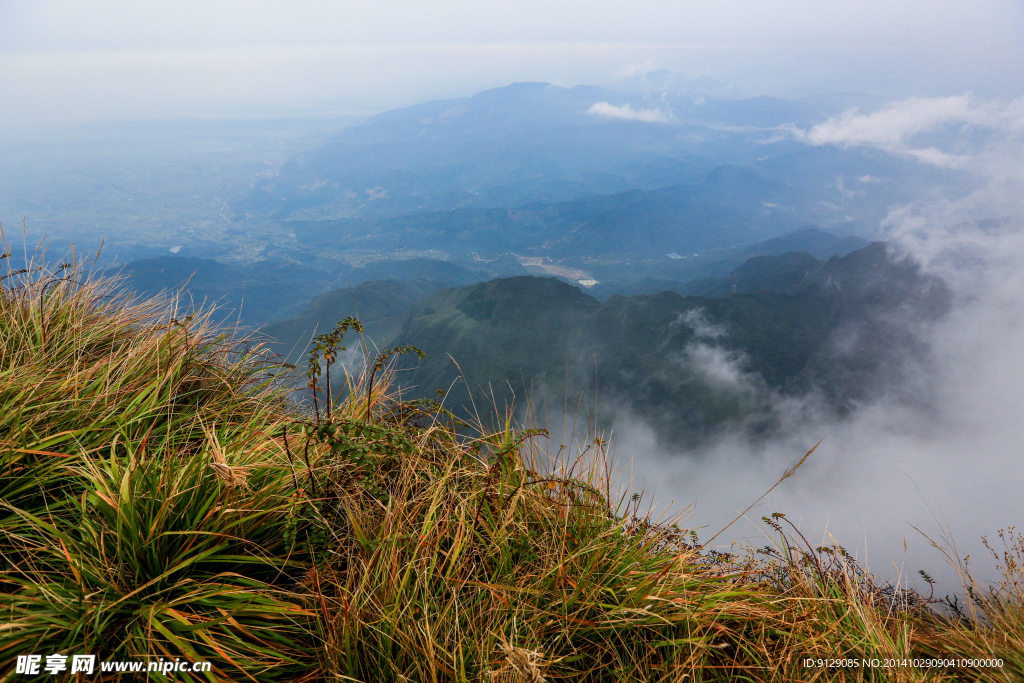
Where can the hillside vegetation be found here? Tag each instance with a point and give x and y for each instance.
(691, 366)
(162, 498)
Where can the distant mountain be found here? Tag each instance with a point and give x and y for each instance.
(382, 293)
(816, 242)
(723, 208)
(418, 268)
(535, 142)
(690, 365)
(785, 274)
(255, 294)
(598, 184)
(250, 294)
(525, 142)
(724, 271)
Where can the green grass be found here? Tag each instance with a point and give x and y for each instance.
(162, 497)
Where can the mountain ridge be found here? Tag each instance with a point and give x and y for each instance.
(653, 352)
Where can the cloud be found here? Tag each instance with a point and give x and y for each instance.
(635, 69)
(627, 113)
(889, 127)
(697, 320)
(720, 369)
(918, 126)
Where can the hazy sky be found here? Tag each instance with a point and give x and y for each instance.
(113, 59)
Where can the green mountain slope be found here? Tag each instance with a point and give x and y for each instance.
(785, 273)
(689, 364)
(381, 305)
(713, 273)
(502, 334)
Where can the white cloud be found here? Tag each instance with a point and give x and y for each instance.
(702, 326)
(627, 113)
(719, 368)
(976, 134)
(888, 128)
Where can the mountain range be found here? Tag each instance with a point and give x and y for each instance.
(719, 353)
(530, 144)
(684, 254)
(789, 326)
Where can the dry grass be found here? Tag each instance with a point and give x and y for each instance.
(161, 497)
(120, 537)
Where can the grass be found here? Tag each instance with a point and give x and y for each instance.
(162, 497)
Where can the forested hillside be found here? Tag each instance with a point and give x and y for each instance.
(691, 365)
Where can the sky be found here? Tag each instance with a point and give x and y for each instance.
(62, 60)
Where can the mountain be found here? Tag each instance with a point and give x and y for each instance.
(690, 364)
(723, 271)
(270, 291)
(723, 208)
(529, 143)
(503, 334)
(816, 242)
(255, 294)
(632, 192)
(715, 351)
(382, 306)
(525, 142)
(251, 294)
(785, 274)
(419, 268)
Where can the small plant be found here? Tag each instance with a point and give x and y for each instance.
(353, 455)
(327, 344)
(829, 571)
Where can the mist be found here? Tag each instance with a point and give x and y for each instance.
(935, 453)
(115, 60)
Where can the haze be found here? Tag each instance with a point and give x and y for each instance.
(64, 61)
